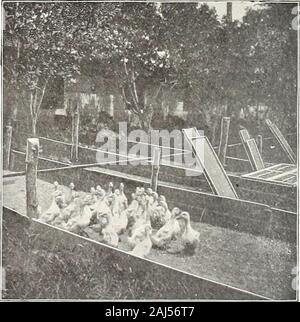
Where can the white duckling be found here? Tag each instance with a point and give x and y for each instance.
(56, 185)
(123, 198)
(70, 195)
(155, 199)
(148, 210)
(133, 206)
(72, 209)
(140, 209)
(131, 210)
(137, 191)
(59, 191)
(78, 223)
(119, 218)
(53, 211)
(101, 206)
(142, 217)
(170, 230)
(138, 236)
(161, 213)
(115, 204)
(109, 193)
(143, 248)
(150, 195)
(94, 194)
(190, 237)
(110, 236)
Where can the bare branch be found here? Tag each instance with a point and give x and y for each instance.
(135, 91)
(133, 83)
(131, 90)
(124, 96)
(159, 89)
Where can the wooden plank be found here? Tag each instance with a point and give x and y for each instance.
(7, 146)
(32, 154)
(290, 179)
(260, 143)
(283, 174)
(245, 136)
(278, 166)
(265, 175)
(282, 141)
(212, 167)
(274, 168)
(224, 139)
(255, 157)
(293, 180)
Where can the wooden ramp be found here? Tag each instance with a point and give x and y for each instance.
(281, 140)
(252, 151)
(212, 167)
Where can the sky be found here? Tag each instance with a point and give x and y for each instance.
(238, 8)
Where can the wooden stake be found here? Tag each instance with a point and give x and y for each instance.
(32, 154)
(224, 139)
(155, 168)
(75, 133)
(7, 146)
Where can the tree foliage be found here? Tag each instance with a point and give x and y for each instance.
(218, 65)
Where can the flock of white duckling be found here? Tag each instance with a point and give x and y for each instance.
(105, 215)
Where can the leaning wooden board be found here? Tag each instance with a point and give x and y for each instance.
(212, 167)
(251, 150)
(254, 155)
(282, 141)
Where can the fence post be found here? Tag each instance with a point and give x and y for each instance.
(155, 168)
(7, 146)
(224, 139)
(32, 154)
(75, 133)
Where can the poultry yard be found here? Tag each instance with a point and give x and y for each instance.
(249, 262)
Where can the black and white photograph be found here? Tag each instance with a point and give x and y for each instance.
(149, 152)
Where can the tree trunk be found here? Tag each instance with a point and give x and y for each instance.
(146, 119)
(34, 122)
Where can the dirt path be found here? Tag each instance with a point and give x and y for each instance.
(252, 263)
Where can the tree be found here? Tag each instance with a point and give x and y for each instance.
(194, 38)
(129, 51)
(44, 40)
(271, 54)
